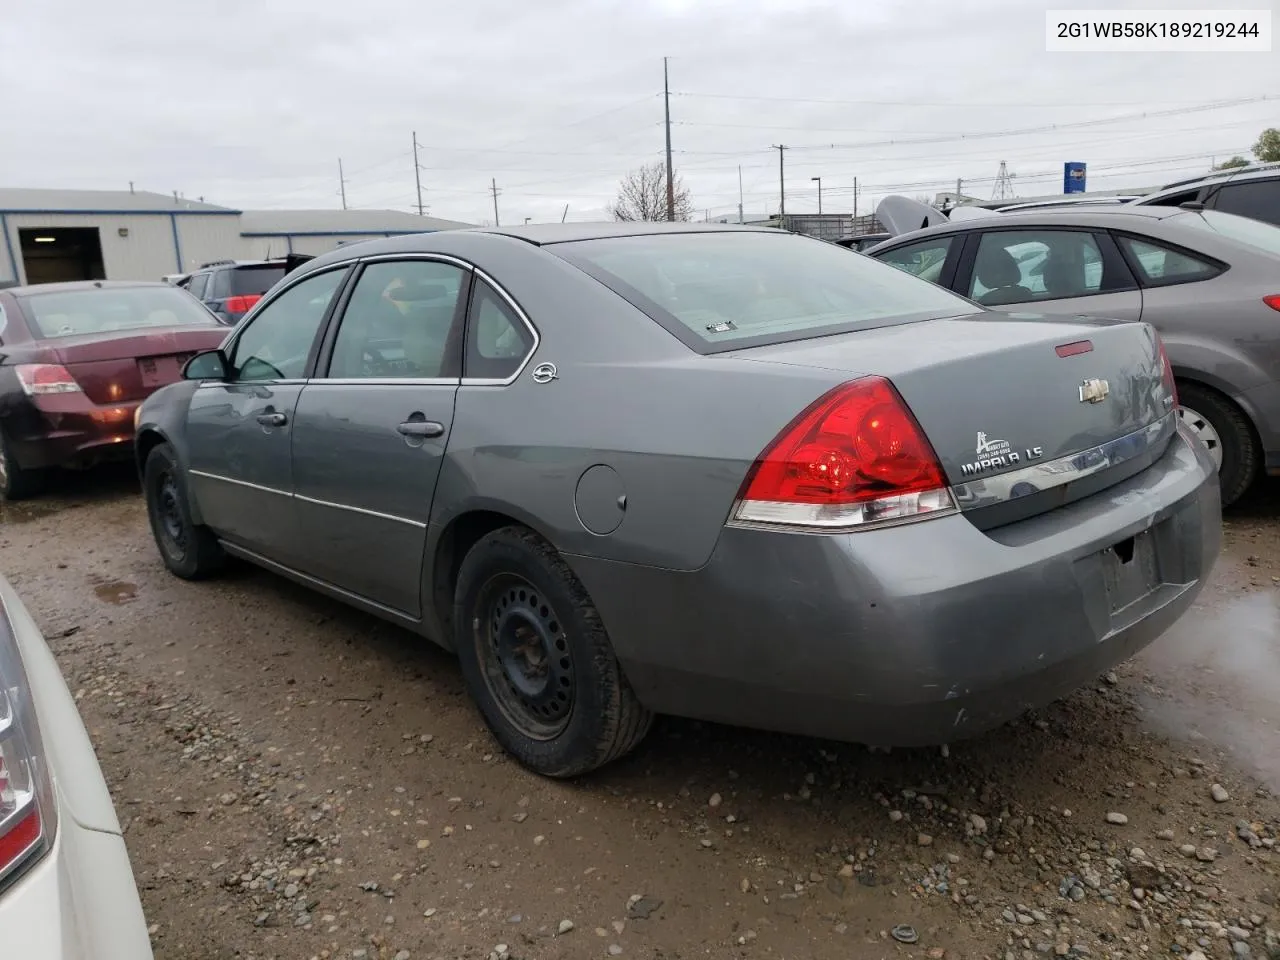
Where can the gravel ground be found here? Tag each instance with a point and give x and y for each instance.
(299, 780)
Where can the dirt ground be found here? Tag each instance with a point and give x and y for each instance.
(299, 780)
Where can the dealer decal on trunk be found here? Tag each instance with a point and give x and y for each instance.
(997, 454)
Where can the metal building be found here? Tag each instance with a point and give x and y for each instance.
(52, 235)
(275, 233)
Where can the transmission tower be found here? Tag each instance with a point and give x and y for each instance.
(1004, 183)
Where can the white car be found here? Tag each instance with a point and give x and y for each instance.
(66, 887)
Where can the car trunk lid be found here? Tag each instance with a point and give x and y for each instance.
(1015, 407)
(131, 365)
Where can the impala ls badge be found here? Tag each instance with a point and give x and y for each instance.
(997, 455)
(1094, 391)
(545, 373)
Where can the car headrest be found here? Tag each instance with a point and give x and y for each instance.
(997, 268)
(417, 291)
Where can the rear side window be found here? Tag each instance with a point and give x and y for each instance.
(197, 285)
(497, 339)
(924, 260)
(1157, 264)
(725, 290)
(1259, 199)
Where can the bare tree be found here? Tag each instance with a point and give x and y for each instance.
(642, 195)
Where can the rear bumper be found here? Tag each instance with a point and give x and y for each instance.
(78, 903)
(914, 635)
(68, 430)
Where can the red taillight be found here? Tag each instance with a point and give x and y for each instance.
(1169, 383)
(40, 379)
(855, 456)
(1272, 301)
(242, 304)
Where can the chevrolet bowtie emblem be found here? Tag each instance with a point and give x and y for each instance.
(1094, 391)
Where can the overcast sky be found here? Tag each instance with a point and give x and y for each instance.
(251, 103)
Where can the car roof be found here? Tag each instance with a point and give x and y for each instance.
(72, 286)
(1077, 215)
(541, 234)
(1219, 179)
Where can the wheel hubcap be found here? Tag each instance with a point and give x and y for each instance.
(525, 656)
(1204, 431)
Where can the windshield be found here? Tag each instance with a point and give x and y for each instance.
(721, 290)
(1255, 233)
(110, 309)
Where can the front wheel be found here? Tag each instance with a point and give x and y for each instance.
(537, 660)
(189, 550)
(1223, 428)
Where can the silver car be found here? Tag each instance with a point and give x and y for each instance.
(1209, 282)
(716, 471)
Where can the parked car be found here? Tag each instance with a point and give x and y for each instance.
(230, 288)
(717, 471)
(66, 887)
(1208, 281)
(1247, 192)
(76, 359)
(863, 243)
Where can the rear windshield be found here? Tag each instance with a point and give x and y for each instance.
(250, 280)
(108, 309)
(1264, 236)
(726, 290)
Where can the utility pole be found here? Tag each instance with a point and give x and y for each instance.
(819, 179)
(565, 214)
(342, 184)
(493, 185)
(959, 184)
(666, 106)
(740, 220)
(417, 175)
(855, 200)
(782, 182)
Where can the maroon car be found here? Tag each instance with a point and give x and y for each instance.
(76, 359)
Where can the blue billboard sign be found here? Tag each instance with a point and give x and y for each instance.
(1073, 177)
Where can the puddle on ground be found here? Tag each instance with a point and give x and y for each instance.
(117, 592)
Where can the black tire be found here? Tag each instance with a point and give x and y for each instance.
(15, 482)
(1239, 447)
(189, 550)
(576, 711)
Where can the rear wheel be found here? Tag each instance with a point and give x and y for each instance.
(15, 482)
(189, 550)
(537, 659)
(1223, 428)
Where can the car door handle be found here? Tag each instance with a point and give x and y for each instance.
(421, 428)
(272, 419)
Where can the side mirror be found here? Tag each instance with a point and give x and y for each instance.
(210, 365)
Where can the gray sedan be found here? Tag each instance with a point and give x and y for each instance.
(1208, 281)
(721, 472)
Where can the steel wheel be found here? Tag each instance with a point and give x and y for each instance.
(167, 505)
(1205, 431)
(525, 656)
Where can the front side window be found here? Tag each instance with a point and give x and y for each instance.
(1022, 266)
(1160, 265)
(924, 260)
(401, 322)
(276, 343)
(725, 290)
(497, 340)
(112, 310)
(1259, 199)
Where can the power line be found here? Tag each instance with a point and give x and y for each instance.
(938, 103)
